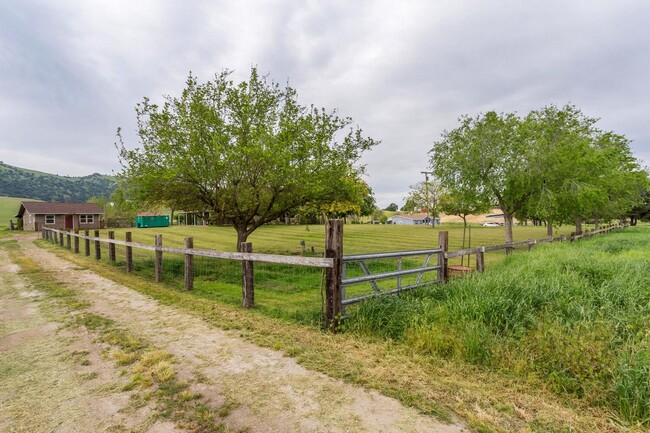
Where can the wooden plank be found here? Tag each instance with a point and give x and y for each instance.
(129, 253)
(480, 259)
(443, 244)
(248, 290)
(98, 246)
(158, 263)
(189, 265)
(315, 262)
(111, 247)
(333, 275)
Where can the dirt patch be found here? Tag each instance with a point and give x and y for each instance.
(258, 389)
(54, 377)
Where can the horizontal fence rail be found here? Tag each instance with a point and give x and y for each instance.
(315, 262)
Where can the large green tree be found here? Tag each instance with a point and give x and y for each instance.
(560, 143)
(248, 152)
(490, 155)
(552, 165)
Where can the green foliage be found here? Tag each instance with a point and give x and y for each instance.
(552, 165)
(8, 209)
(35, 185)
(248, 152)
(576, 316)
(490, 156)
(426, 195)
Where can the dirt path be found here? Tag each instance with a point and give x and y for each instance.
(268, 391)
(54, 378)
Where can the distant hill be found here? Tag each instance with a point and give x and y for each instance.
(20, 182)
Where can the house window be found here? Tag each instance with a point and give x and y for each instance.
(86, 219)
(49, 219)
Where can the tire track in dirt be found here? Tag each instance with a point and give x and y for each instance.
(53, 378)
(269, 392)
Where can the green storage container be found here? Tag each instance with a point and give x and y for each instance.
(145, 221)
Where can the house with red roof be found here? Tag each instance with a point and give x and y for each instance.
(36, 215)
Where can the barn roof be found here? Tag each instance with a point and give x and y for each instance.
(41, 207)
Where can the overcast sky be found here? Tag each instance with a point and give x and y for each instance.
(71, 72)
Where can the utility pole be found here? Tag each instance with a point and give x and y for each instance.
(426, 192)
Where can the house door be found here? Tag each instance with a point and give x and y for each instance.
(68, 222)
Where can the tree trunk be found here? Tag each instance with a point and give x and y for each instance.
(242, 236)
(596, 223)
(549, 229)
(507, 218)
(578, 225)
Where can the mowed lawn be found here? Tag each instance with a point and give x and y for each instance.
(358, 238)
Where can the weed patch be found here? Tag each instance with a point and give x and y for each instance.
(575, 316)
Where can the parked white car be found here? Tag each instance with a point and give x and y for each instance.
(490, 224)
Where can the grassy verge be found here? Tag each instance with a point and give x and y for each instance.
(488, 399)
(575, 317)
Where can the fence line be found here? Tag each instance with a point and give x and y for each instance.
(315, 262)
(334, 262)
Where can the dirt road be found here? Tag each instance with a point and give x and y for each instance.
(69, 383)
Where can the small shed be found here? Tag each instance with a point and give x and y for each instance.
(82, 216)
(147, 219)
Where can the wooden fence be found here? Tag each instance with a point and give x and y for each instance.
(332, 263)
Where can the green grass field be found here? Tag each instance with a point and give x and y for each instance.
(575, 316)
(8, 209)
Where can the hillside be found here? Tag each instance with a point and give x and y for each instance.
(20, 182)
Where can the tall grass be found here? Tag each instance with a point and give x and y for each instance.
(574, 316)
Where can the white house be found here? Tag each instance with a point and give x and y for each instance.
(411, 219)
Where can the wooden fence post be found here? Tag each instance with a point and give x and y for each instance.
(87, 243)
(111, 247)
(248, 289)
(531, 243)
(443, 243)
(480, 259)
(333, 275)
(61, 239)
(98, 247)
(573, 235)
(129, 254)
(68, 240)
(76, 241)
(189, 265)
(158, 264)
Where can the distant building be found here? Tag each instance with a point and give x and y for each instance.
(411, 219)
(36, 215)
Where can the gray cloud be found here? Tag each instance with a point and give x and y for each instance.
(71, 72)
